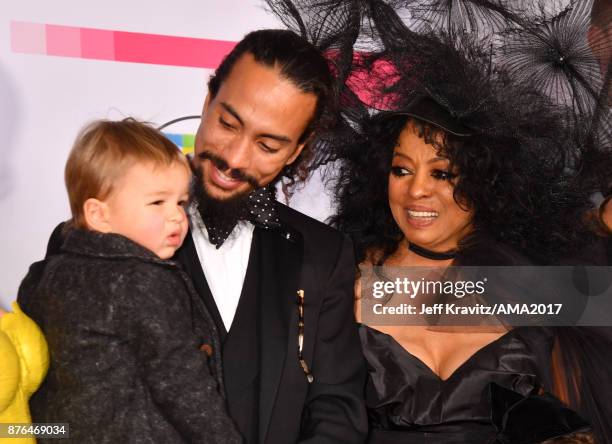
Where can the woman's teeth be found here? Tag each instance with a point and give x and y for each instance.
(423, 214)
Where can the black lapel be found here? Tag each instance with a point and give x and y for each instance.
(187, 256)
(280, 264)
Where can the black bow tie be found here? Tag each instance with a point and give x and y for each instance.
(260, 210)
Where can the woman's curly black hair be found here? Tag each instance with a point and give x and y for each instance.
(516, 172)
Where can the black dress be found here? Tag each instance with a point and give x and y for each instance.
(501, 393)
(408, 403)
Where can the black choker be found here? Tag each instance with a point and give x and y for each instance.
(433, 255)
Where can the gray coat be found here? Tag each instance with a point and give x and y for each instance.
(129, 341)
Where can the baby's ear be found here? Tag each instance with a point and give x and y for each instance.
(96, 214)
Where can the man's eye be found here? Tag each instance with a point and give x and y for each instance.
(267, 148)
(224, 123)
(399, 171)
(443, 175)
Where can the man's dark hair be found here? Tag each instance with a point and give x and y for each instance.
(299, 62)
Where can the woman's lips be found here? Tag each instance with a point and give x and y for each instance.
(420, 217)
(223, 181)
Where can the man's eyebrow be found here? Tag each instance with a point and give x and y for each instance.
(227, 107)
(276, 137)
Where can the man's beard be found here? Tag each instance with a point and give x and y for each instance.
(220, 212)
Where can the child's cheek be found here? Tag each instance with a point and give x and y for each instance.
(155, 227)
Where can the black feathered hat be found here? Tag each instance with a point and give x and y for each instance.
(529, 162)
(545, 47)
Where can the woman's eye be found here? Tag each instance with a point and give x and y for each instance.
(443, 175)
(157, 202)
(399, 171)
(183, 203)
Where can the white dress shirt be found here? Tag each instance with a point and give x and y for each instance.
(224, 268)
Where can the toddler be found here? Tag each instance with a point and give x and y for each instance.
(134, 354)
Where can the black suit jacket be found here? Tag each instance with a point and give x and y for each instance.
(308, 255)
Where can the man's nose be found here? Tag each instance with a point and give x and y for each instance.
(238, 152)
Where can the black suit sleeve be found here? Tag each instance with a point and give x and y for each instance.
(335, 406)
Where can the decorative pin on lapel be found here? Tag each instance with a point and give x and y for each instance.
(300, 302)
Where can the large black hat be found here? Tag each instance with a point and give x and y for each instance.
(488, 68)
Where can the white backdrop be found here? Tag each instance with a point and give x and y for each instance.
(45, 100)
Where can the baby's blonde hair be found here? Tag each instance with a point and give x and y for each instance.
(103, 152)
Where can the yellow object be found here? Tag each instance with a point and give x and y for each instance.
(24, 360)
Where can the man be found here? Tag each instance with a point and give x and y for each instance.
(264, 103)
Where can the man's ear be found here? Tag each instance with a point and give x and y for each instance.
(96, 214)
(295, 154)
(298, 151)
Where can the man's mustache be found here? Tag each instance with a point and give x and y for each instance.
(222, 165)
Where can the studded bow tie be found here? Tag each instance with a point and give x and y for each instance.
(260, 211)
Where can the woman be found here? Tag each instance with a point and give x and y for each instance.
(437, 381)
(450, 158)
(468, 168)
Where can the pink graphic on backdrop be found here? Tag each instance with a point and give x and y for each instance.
(63, 41)
(101, 44)
(28, 37)
(169, 50)
(121, 46)
(97, 44)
